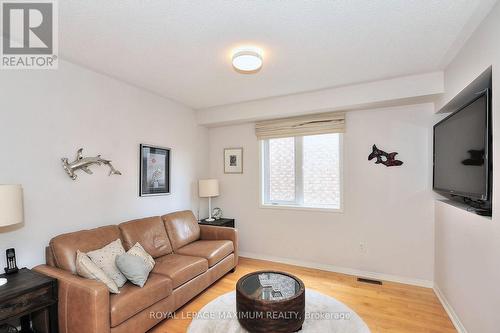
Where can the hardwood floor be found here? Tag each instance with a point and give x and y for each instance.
(392, 307)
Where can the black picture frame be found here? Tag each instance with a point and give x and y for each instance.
(154, 182)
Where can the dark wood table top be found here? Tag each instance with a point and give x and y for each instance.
(219, 222)
(22, 282)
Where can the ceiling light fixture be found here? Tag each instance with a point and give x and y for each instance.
(247, 61)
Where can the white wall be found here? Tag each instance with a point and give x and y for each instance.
(467, 269)
(405, 90)
(46, 115)
(390, 209)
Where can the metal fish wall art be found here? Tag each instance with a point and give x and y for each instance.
(83, 163)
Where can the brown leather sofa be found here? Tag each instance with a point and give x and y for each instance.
(189, 258)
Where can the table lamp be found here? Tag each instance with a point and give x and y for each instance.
(208, 188)
(11, 208)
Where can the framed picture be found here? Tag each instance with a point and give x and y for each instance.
(154, 177)
(233, 160)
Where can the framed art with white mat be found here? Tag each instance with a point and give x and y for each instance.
(154, 178)
(233, 160)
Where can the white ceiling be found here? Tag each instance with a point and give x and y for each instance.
(181, 49)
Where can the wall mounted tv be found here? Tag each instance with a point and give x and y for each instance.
(463, 152)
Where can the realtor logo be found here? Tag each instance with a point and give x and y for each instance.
(29, 34)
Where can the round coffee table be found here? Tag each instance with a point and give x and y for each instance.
(270, 301)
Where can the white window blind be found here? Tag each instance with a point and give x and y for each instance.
(321, 123)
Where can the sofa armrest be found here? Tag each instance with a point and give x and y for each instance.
(209, 232)
(83, 304)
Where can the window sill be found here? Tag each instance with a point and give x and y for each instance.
(290, 207)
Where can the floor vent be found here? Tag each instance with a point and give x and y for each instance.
(369, 281)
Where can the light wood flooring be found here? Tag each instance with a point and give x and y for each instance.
(390, 308)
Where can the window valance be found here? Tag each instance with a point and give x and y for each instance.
(321, 123)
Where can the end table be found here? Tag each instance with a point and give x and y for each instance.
(222, 222)
(28, 292)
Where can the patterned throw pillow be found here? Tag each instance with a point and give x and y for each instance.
(87, 269)
(105, 259)
(138, 251)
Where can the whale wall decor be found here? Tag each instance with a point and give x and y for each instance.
(387, 159)
(83, 163)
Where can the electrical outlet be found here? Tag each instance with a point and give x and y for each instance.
(362, 247)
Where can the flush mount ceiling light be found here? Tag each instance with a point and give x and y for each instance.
(247, 61)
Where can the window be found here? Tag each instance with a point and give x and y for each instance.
(302, 171)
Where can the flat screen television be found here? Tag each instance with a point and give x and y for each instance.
(462, 152)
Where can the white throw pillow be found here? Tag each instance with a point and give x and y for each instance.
(105, 259)
(138, 251)
(87, 269)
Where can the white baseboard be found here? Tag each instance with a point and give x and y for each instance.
(449, 310)
(343, 270)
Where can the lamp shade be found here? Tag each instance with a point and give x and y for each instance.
(208, 188)
(11, 205)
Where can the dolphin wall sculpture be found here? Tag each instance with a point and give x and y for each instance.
(83, 163)
(387, 159)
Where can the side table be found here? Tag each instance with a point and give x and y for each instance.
(27, 292)
(222, 222)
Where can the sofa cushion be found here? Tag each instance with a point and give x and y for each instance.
(64, 246)
(135, 269)
(182, 228)
(180, 269)
(150, 233)
(212, 250)
(132, 299)
(105, 259)
(87, 269)
(138, 251)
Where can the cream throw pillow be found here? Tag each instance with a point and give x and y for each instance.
(87, 269)
(105, 258)
(138, 251)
